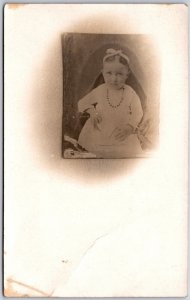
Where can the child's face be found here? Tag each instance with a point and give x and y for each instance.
(115, 74)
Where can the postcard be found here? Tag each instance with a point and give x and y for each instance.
(95, 150)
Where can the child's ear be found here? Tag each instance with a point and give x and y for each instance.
(102, 72)
(128, 72)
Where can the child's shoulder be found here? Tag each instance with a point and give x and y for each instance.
(94, 93)
(130, 91)
(100, 88)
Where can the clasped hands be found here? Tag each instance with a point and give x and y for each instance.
(120, 134)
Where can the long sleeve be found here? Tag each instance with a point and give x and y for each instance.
(87, 102)
(136, 112)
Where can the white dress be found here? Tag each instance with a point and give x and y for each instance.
(99, 140)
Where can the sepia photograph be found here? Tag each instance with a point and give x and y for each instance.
(95, 150)
(111, 95)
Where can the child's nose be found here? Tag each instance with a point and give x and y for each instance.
(114, 78)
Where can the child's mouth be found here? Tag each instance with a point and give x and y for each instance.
(115, 85)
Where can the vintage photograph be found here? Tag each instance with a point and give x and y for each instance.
(111, 88)
(95, 150)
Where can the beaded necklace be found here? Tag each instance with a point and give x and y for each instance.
(117, 105)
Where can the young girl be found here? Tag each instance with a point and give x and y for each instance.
(115, 112)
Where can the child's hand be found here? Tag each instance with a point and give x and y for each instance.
(120, 134)
(95, 117)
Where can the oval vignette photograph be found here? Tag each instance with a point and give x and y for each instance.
(111, 85)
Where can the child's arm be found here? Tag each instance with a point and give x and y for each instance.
(87, 103)
(136, 112)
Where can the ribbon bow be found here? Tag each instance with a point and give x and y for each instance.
(113, 52)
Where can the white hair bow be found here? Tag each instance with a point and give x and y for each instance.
(113, 52)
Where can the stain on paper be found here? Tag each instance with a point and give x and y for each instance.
(14, 5)
(10, 291)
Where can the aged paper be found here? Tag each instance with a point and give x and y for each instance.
(92, 227)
